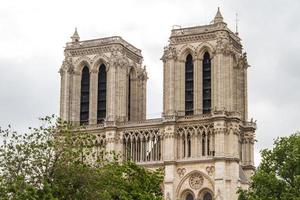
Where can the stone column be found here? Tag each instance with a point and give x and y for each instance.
(196, 86)
(181, 66)
(113, 142)
(111, 94)
(169, 159)
(63, 93)
(76, 97)
(122, 93)
(93, 97)
(144, 98)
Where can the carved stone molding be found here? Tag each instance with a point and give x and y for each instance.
(169, 53)
(118, 59)
(210, 170)
(181, 172)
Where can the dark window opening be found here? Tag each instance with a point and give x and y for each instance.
(189, 146)
(203, 144)
(189, 85)
(189, 197)
(85, 96)
(207, 196)
(101, 108)
(206, 84)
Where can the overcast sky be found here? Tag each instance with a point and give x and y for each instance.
(33, 34)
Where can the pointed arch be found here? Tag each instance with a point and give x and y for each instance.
(189, 85)
(101, 98)
(204, 47)
(205, 194)
(181, 186)
(82, 62)
(84, 95)
(186, 50)
(187, 195)
(98, 60)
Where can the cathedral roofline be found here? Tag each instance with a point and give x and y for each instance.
(103, 42)
(203, 29)
(217, 24)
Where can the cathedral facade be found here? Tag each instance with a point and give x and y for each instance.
(203, 139)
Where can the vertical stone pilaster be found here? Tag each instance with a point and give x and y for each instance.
(93, 97)
(63, 91)
(123, 98)
(144, 98)
(76, 97)
(245, 115)
(171, 87)
(213, 83)
(169, 158)
(68, 97)
(111, 94)
(219, 131)
(177, 86)
(196, 86)
(112, 142)
(182, 88)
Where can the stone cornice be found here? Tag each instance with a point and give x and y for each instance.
(203, 33)
(103, 42)
(78, 50)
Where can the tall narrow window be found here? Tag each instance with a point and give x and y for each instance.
(129, 96)
(203, 144)
(101, 109)
(189, 153)
(85, 96)
(206, 83)
(189, 85)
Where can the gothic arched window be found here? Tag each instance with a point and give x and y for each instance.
(189, 85)
(85, 96)
(101, 108)
(206, 83)
(207, 196)
(189, 196)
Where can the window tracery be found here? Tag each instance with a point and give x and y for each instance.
(195, 141)
(142, 145)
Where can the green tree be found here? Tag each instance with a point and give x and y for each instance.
(278, 175)
(53, 162)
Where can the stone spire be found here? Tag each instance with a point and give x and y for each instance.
(218, 18)
(75, 37)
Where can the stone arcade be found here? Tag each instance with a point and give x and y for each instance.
(203, 140)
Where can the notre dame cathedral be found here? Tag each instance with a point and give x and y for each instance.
(203, 139)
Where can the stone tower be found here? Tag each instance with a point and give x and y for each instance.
(203, 140)
(102, 80)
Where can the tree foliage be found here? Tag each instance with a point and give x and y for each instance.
(278, 175)
(58, 161)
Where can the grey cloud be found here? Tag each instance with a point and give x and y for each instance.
(32, 37)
